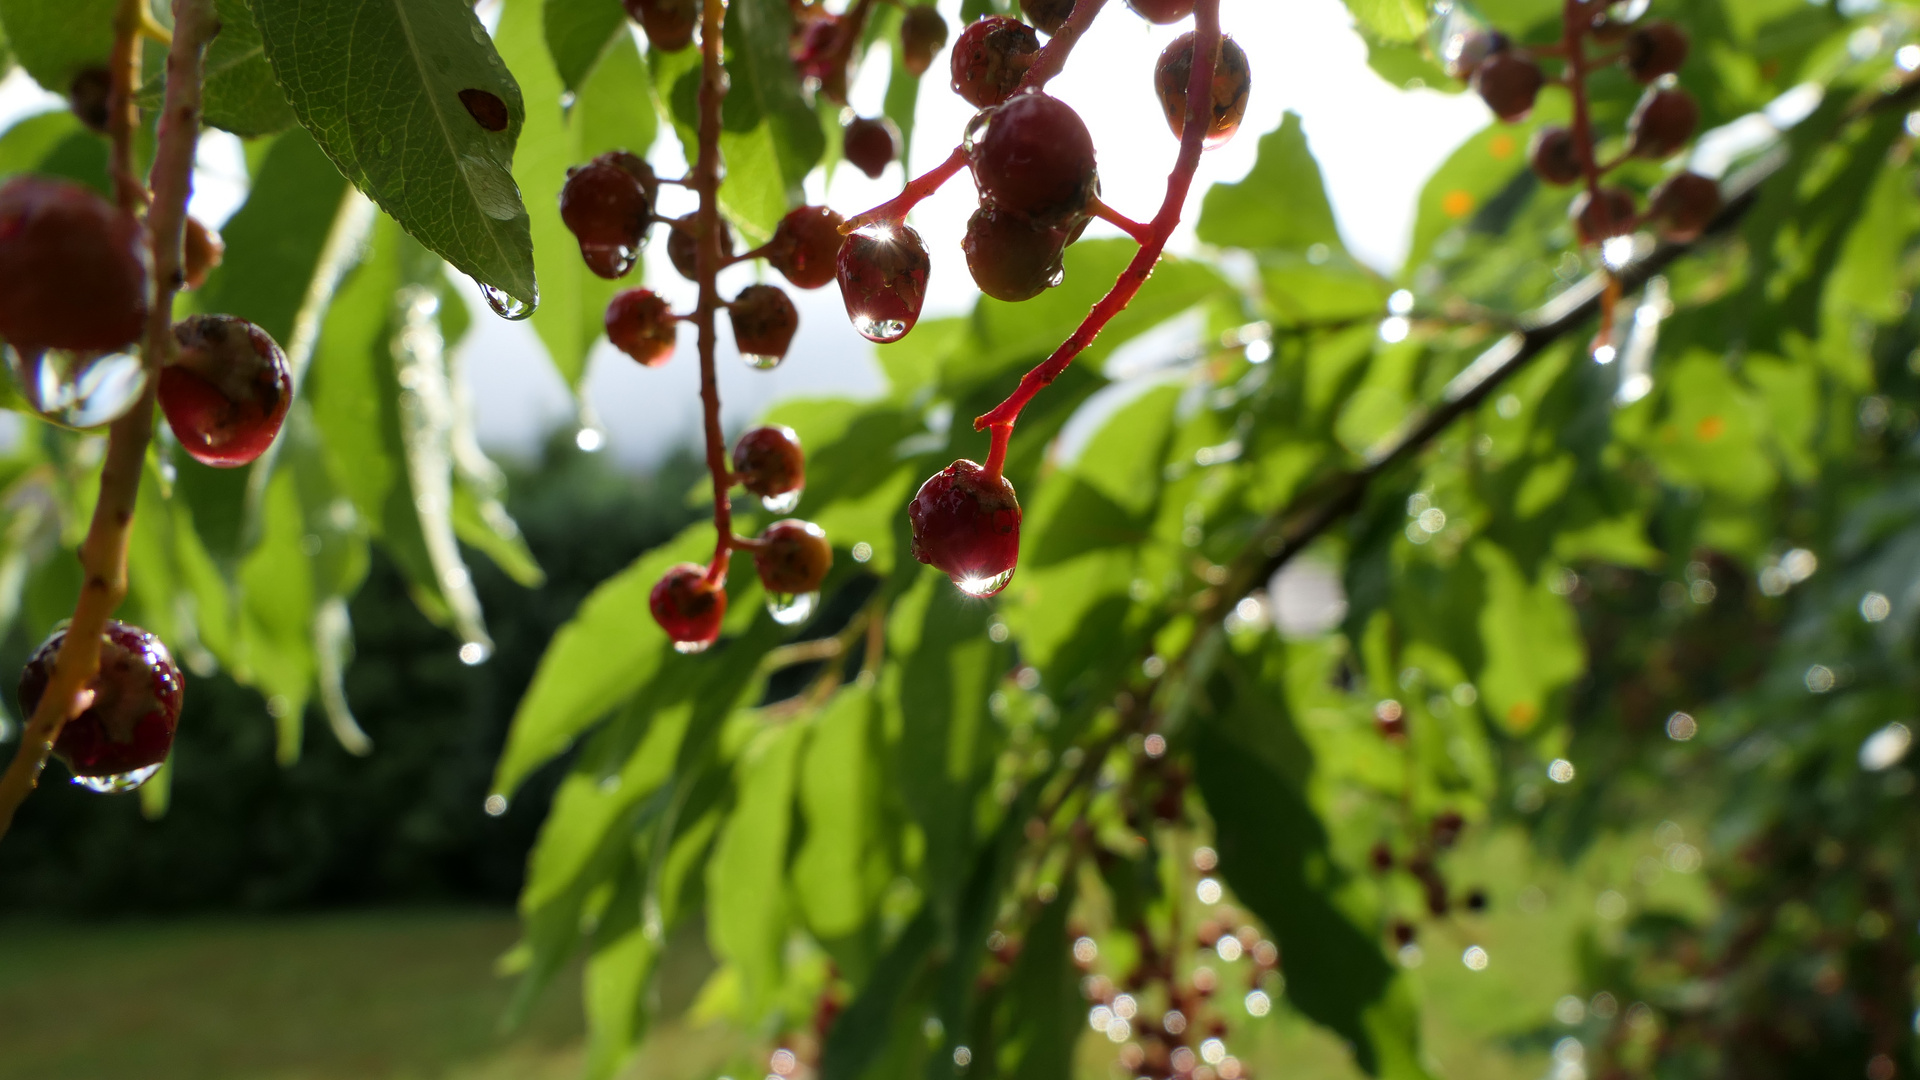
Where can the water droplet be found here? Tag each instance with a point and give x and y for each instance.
(81, 390)
(983, 587)
(508, 307)
(791, 610)
(567, 101)
(589, 440)
(783, 503)
(496, 805)
(119, 782)
(474, 653)
(1059, 275)
(609, 260)
(880, 331)
(761, 362)
(689, 648)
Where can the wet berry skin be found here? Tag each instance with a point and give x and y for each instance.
(1662, 123)
(967, 525)
(136, 704)
(1595, 224)
(764, 321)
(768, 461)
(922, 33)
(1162, 12)
(1033, 156)
(75, 268)
(687, 606)
(1555, 156)
(1684, 205)
(1232, 83)
(794, 558)
(991, 58)
(641, 324)
(683, 249)
(668, 23)
(1508, 82)
(1011, 257)
(806, 246)
(871, 144)
(226, 392)
(1655, 49)
(1048, 16)
(883, 280)
(607, 208)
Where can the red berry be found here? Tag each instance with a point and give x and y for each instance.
(1469, 51)
(991, 58)
(683, 248)
(1476, 900)
(126, 732)
(1437, 900)
(1162, 11)
(1047, 15)
(668, 23)
(1555, 156)
(201, 251)
(1033, 156)
(922, 33)
(1615, 214)
(1447, 826)
(1390, 720)
(1232, 82)
(871, 144)
(806, 246)
(883, 280)
(819, 54)
(966, 524)
(226, 391)
(688, 607)
(1403, 933)
(1662, 123)
(1381, 857)
(1509, 81)
(1654, 50)
(89, 96)
(1684, 205)
(75, 268)
(607, 208)
(764, 321)
(1012, 257)
(641, 324)
(794, 557)
(768, 461)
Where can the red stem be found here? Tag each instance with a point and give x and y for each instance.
(917, 189)
(1576, 19)
(1053, 58)
(1206, 19)
(1140, 232)
(707, 262)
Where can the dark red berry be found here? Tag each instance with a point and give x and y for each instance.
(1438, 903)
(821, 55)
(136, 707)
(1509, 81)
(88, 96)
(922, 33)
(1684, 205)
(226, 391)
(871, 144)
(1662, 123)
(1033, 156)
(75, 268)
(683, 248)
(1232, 82)
(1471, 50)
(991, 58)
(1012, 257)
(768, 461)
(764, 321)
(1476, 900)
(1555, 156)
(883, 280)
(1047, 15)
(793, 558)
(1162, 11)
(641, 324)
(1381, 857)
(1403, 933)
(806, 246)
(1615, 214)
(1655, 49)
(1447, 826)
(668, 23)
(201, 250)
(966, 524)
(1390, 720)
(688, 607)
(607, 208)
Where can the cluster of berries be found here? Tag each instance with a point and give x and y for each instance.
(1509, 78)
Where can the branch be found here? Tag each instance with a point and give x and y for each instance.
(708, 259)
(1053, 57)
(103, 555)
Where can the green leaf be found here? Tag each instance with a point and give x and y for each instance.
(1390, 20)
(1282, 204)
(55, 40)
(1532, 642)
(577, 33)
(241, 95)
(765, 93)
(840, 781)
(747, 904)
(611, 111)
(379, 84)
(861, 1034)
(1044, 1008)
(55, 144)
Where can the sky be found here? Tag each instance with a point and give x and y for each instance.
(1375, 142)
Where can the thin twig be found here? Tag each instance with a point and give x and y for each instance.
(707, 262)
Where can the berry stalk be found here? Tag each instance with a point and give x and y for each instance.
(917, 189)
(1576, 18)
(103, 555)
(1206, 15)
(1053, 57)
(707, 261)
